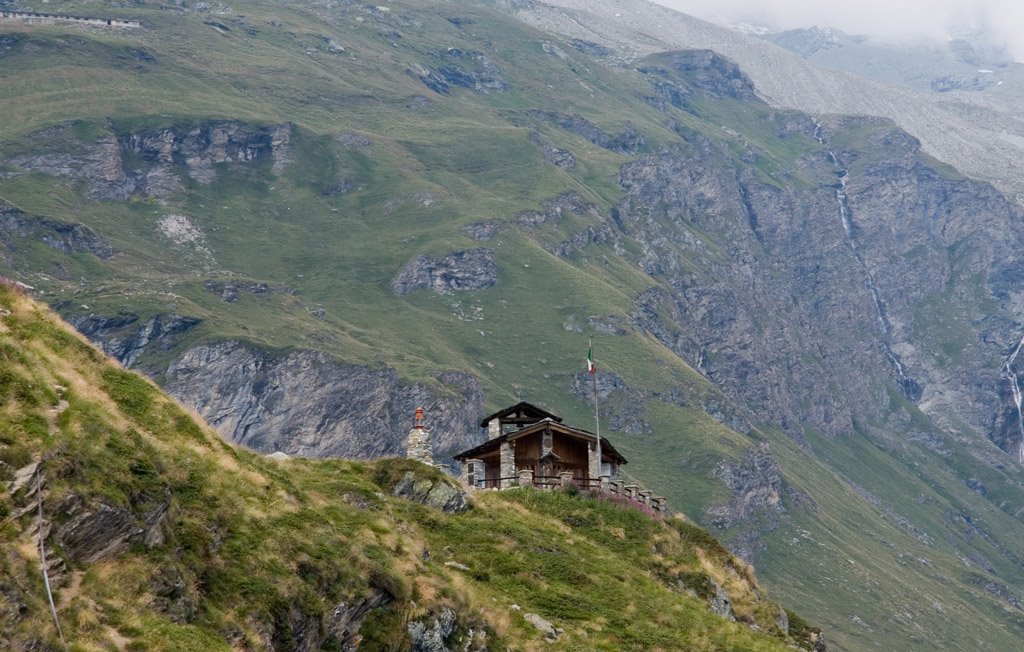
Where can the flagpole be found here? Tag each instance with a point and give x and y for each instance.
(597, 414)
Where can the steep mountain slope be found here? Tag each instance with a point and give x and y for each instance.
(805, 330)
(159, 536)
(981, 135)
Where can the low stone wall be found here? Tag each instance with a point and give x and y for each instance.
(474, 477)
(32, 18)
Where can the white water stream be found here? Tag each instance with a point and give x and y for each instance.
(1011, 376)
(869, 279)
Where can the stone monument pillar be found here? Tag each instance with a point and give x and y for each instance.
(417, 447)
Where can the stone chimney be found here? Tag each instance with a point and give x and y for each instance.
(494, 428)
(417, 447)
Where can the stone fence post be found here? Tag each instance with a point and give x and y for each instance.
(508, 464)
(565, 478)
(525, 477)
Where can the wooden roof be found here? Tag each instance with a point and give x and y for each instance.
(521, 414)
(556, 428)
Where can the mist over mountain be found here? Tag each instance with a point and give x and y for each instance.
(990, 24)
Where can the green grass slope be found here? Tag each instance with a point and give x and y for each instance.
(251, 553)
(871, 539)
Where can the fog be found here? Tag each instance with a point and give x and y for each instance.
(901, 20)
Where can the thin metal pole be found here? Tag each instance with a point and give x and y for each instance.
(42, 560)
(597, 417)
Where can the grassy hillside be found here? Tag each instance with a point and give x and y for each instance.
(870, 534)
(251, 553)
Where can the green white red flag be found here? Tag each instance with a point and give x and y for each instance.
(590, 360)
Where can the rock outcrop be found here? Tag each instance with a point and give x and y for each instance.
(120, 337)
(306, 403)
(100, 533)
(698, 72)
(65, 238)
(345, 620)
(151, 162)
(231, 291)
(867, 266)
(560, 158)
(471, 269)
(437, 493)
(759, 499)
(441, 631)
(468, 69)
(627, 141)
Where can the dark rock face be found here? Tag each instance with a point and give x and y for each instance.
(720, 603)
(98, 534)
(440, 494)
(606, 384)
(345, 620)
(756, 486)
(431, 636)
(703, 72)
(754, 275)
(560, 158)
(554, 209)
(464, 69)
(118, 336)
(173, 596)
(230, 292)
(200, 148)
(482, 230)
(589, 47)
(627, 141)
(976, 486)
(758, 500)
(296, 631)
(471, 269)
(305, 403)
(158, 158)
(99, 164)
(65, 238)
(441, 631)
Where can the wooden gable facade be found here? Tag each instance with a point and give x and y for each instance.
(525, 438)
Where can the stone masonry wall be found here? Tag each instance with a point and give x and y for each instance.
(31, 18)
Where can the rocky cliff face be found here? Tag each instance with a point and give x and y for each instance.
(888, 268)
(16, 225)
(305, 403)
(151, 163)
(472, 269)
(759, 499)
(301, 403)
(123, 337)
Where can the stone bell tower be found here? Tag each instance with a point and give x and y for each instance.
(417, 447)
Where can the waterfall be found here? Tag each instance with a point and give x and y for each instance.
(907, 384)
(1011, 376)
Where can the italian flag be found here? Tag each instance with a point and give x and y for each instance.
(590, 360)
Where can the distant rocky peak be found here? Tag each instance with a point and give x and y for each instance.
(807, 41)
